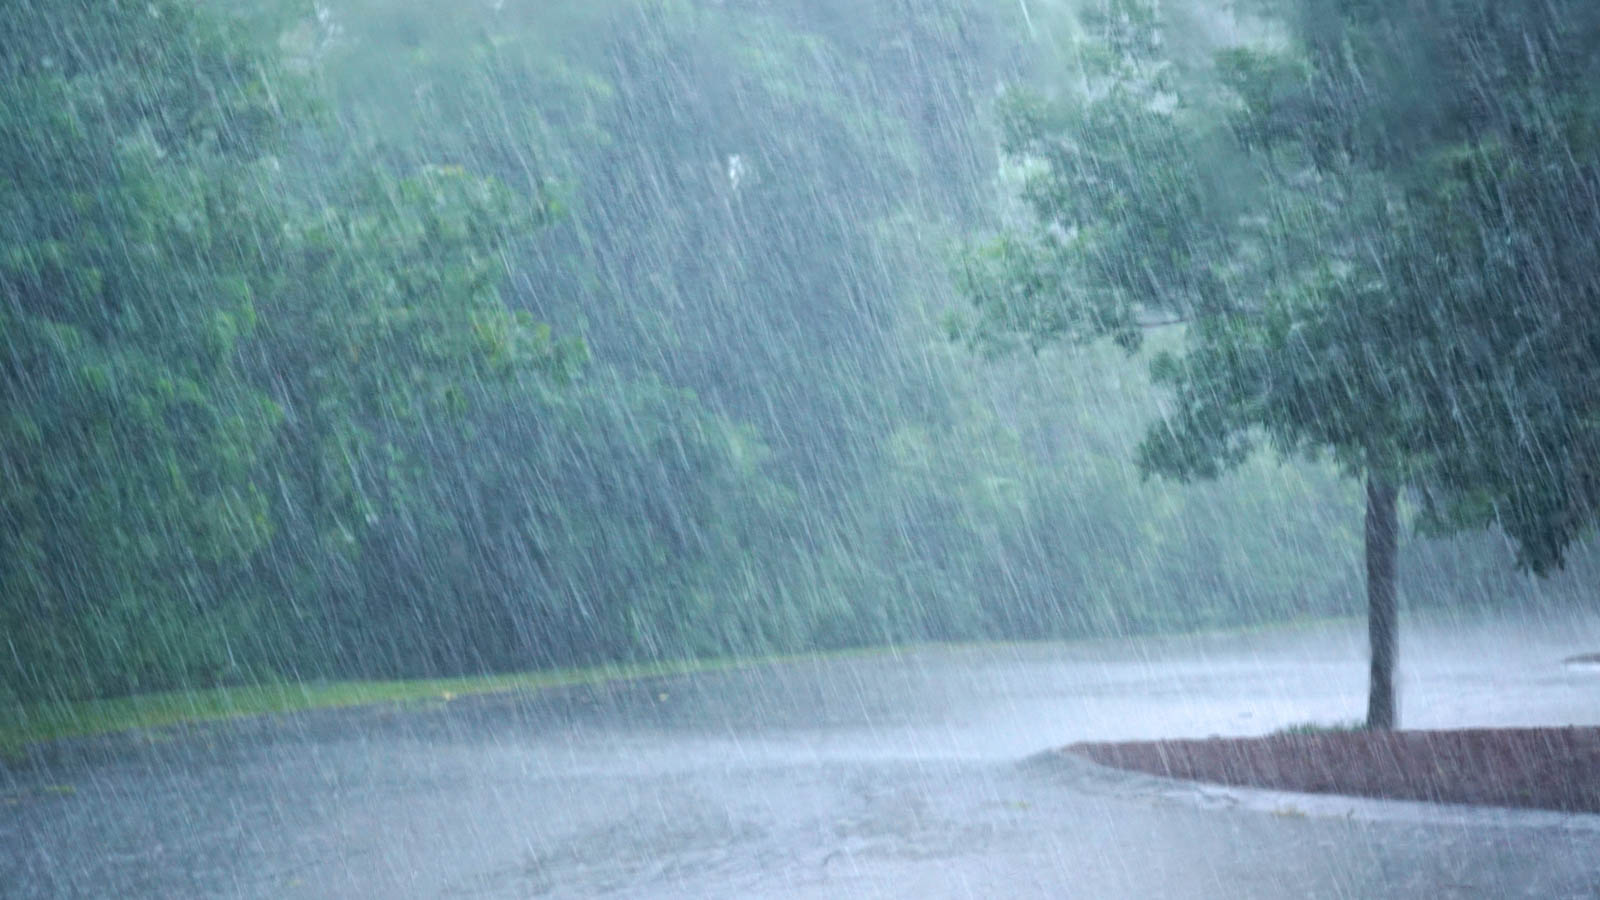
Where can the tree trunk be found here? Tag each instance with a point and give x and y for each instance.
(1382, 604)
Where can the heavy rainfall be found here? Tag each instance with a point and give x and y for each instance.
(799, 448)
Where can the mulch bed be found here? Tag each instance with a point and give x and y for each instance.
(1538, 768)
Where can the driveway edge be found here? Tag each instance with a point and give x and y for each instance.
(1092, 777)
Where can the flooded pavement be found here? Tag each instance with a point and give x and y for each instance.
(889, 775)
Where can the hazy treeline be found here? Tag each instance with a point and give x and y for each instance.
(382, 337)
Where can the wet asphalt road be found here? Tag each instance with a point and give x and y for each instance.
(911, 775)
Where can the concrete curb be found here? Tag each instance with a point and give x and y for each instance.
(1086, 775)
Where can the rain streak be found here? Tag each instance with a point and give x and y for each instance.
(799, 448)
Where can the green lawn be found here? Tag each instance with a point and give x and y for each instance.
(50, 721)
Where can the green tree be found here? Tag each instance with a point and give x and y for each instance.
(1484, 117)
(1385, 280)
(219, 372)
(128, 134)
(1454, 142)
(383, 320)
(1157, 207)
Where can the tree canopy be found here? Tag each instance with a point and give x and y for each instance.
(1373, 238)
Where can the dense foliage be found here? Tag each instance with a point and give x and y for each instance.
(280, 399)
(211, 369)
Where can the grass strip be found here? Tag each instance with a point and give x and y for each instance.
(42, 722)
(32, 723)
